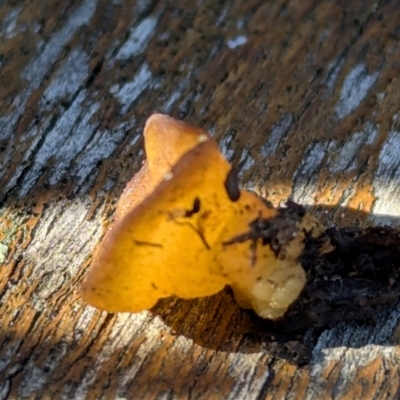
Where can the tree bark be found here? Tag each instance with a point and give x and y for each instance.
(301, 95)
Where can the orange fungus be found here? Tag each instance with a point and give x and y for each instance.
(184, 228)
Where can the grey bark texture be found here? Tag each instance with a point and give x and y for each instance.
(303, 96)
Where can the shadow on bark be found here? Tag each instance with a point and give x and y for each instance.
(357, 281)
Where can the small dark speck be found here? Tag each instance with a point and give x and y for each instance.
(24, 51)
(150, 244)
(3, 60)
(205, 215)
(154, 286)
(232, 185)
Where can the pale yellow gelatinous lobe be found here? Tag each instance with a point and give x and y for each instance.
(259, 278)
(172, 225)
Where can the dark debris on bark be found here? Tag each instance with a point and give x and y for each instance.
(356, 281)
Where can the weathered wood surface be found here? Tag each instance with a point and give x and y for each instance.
(302, 95)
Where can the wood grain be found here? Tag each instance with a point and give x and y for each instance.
(301, 95)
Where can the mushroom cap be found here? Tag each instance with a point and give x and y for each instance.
(172, 226)
(169, 243)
